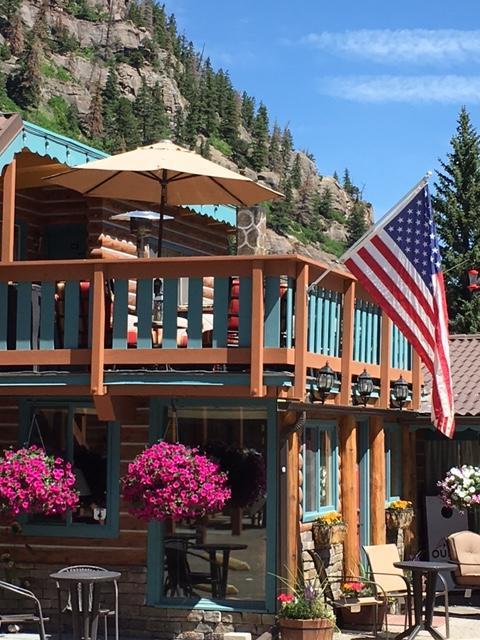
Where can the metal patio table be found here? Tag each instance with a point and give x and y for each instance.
(84, 586)
(219, 572)
(430, 570)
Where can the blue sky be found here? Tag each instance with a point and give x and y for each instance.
(372, 86)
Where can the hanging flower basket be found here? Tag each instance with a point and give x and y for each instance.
(33, 482)
(174, 482)
(399, 515)
(461, 487)
(328, 530)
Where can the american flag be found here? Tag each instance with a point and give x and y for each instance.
(398, 263)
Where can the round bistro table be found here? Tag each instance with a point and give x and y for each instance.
(84, 587)
(430, 570)
(219, 572)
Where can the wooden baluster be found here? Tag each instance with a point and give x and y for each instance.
(301, 331)
(257, 340)
(348, 312)
(8, 211)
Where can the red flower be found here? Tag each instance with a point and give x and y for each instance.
(285, 598)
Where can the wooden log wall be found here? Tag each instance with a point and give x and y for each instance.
(129, 548)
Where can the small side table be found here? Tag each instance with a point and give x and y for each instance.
(430, 570)
(219, 572)
(84, 589)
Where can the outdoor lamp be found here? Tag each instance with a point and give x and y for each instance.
(364, 386)
(473, 280)
(325, 380)
(400, 391)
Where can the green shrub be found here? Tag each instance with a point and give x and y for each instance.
(337, 247)
(51, 70)
(221, 145)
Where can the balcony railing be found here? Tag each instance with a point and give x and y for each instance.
(104, 316)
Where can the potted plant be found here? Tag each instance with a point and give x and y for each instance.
(329, 529)
(353, 589)
(461, 487)
(399, 514)
(304, 615)
(174, 482)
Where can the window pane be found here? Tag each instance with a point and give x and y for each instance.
(310, 471)
(236, 438)
(325, 489)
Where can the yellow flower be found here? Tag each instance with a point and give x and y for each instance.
(330, 519)
(399, 505)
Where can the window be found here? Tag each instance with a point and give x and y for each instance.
(393, 462)
(320, 469)
(73, 432)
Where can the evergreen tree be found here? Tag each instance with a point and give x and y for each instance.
(94, 118)
(110, 103)
(286, 149)
(230, 120)
(274, 155)
(160, 125)
(457, 205)
(143, 111)
(296, 173)
(322, 204)
(356, 225)
(160, 33)
(335, 176)
(208, 101)
(179, 126)
(260, 139)
(14, 34)
(248, 111)
(347, 183)
(191, 126)
(24, 86)
(126, 126)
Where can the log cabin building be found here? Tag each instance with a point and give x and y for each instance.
(87, 372)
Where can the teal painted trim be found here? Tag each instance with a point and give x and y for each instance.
(144, 313)
(213, 378)
(204, 604)
(356, 332)
(318, 427)
(44, 379)
(47, 316)
(332, 320)
(376, 336)
(272, 501)
(312, 328)
(221, 289)
(3, 315)
(289, 319)
(245, 312)
(170, 305)
(318, 322)
(221, 212)
(71, 529)
(71, 321)
(195, 300)
(24, 316)
(66, 150)
(393, 479)
(363, 334)
(120, 315)
(369, 354)
(364, 469)
(326, 324)
(272, 311)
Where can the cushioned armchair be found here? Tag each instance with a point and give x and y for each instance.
(464, 547)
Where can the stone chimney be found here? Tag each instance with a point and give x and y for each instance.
(251, 231)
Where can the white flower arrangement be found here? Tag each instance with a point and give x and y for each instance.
(461, 487)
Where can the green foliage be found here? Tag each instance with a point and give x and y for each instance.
(296, 173)
(24, 84)
(82, 10)
(62, 41)
(5, 53)
(337, 247)
(248, 111)
(260, 139)
(221, 145)
(150, 113)
(356, 224)
(335, 176)
(457, 205)
(50, 69)
(321, 204)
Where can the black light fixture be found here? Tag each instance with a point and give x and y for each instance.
(325, 380)
(364, 386)
(400, 391)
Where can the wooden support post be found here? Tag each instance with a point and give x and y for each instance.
(377, 480)
(301, 332)
(409, 482)
(385, 361)
(256, 344)
(416, 381)
(98, 332)
(349, 492)
(293, 508)
(8, 211)
(348, 316)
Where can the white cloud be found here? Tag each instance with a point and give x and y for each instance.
(419, 46)
(445, 89)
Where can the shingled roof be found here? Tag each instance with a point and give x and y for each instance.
(465, 367)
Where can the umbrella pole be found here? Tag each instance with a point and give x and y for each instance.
(163, 202)
(157, 283)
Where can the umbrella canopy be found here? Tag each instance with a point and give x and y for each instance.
(186, 176)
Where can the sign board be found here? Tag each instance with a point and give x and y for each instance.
(441, 522)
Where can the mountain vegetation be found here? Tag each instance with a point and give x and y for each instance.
(118, 75)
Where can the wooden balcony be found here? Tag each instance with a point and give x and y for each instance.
(66, 328)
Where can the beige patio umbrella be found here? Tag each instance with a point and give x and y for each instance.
(165, 173)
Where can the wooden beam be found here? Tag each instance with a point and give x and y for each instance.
(257, 337)
(409, 486)
(292, 541)
(8, 212)
(301, 331)
(349, 492)
(98, 332)
(348, 316)
(417, 381)
(385, 361)
(104, 407)
(377, 480)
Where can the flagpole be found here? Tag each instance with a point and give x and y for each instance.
(391, 213)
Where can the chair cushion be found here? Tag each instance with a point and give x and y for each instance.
(471, 580)
(464, 548)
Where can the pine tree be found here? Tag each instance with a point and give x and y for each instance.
(160, 26)
(260, 139)
(248, 111)
(94, 118)
(191, 126)
(335, 176)
(274, 155)
(127, 126)
(208, 101)
(296, 173)
(110, 102)
(230, 120)
(457, 205)
(286, 149)
(356, 225)
(322, 204)
(160, 125)
(347, 183)
(24, 86)
(14, 34)
(179, 126)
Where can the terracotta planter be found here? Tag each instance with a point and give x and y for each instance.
(319, 629)
(399, 519)
(325, 536)
(362, 619)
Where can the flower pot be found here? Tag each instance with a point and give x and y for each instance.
(361, 618)
(326, 536)
(318, 629)
(399, 519)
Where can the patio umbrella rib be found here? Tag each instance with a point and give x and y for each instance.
(219, 184)
(102, 183)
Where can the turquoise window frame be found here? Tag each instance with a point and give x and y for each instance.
(330, 427)
(79, 529)
(363, 454)
(392, 432)
(158, 423)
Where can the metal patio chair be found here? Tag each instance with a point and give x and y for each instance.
(35, 617)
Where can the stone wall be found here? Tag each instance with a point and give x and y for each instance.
(136, 618)
(332, 557)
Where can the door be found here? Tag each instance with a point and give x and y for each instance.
(65, 241)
